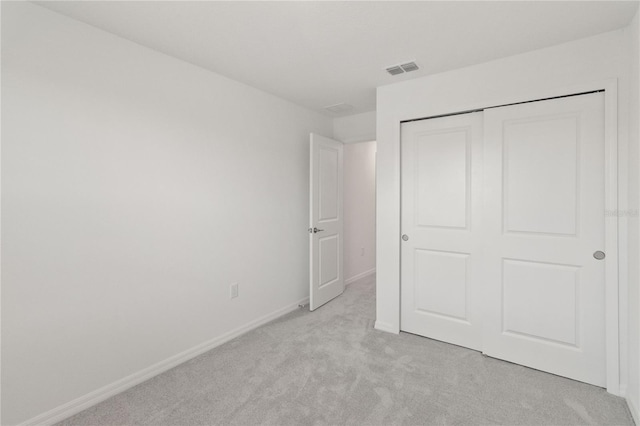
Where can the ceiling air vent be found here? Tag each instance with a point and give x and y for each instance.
(400, 69)
(395, 70)
(409, 66)
(338, 108)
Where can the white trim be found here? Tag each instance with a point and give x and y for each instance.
(388, 328)
(92, 398)
(623, 391)
(612, 237)
(397, 131)
(0, 213)
(616, 195)
(635, 413)
(361, 138)
(360, 275)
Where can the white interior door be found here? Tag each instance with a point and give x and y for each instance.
(326, 221)
(544, 199)
(441, 221)
(503, 213)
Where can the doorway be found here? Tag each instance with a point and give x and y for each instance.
(359, 210)
(342, 216)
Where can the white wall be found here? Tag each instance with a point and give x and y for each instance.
(359, 210)
(510, 79)
(633, 390)
(135, 189)
(355, 128)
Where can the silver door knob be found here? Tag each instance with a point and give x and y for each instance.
(599, 255)
(405, 237)
(316, 230)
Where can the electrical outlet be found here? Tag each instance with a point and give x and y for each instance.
(233, 291)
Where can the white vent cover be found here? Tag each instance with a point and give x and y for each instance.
(395, 70)
(400, 69)
(338, 108)
(409, 66)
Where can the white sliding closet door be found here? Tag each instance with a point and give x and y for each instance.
(441, 215)
(544, 198)
(503, 213)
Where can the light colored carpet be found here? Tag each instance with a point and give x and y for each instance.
(330, 367)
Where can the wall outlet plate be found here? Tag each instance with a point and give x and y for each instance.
(233, 291)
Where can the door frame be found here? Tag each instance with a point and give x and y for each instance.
(616, 199)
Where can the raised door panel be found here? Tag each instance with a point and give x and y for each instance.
(328, 184)
(443, 279)
(541, 301)
(329, 260)
(441, 160)
(540, 175)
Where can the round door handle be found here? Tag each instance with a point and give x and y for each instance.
(405, 237)
(316, 230)
(599, 255)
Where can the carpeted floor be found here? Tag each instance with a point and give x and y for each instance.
(330, 367)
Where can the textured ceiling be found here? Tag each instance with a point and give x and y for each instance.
(319, 53)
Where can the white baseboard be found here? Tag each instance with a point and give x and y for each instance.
(622, 390)
(92, 398)
(360, 275)
(383, 326)
(634, 411)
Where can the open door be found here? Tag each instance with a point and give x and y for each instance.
(325, 221)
